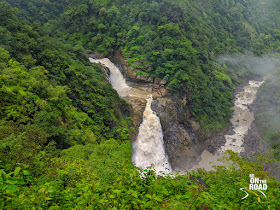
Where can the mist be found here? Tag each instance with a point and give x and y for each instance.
(258, 65)
(266, 127)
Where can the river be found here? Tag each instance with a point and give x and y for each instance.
(241, 122)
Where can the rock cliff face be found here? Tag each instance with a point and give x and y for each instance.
(138, 107)
(180, 138)
(181, 133)
(184, 140)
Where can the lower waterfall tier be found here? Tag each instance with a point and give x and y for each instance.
(149, 147)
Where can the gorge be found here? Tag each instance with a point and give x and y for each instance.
(148, 147)
(91, 91)
(187, 152)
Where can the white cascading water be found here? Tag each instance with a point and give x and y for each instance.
(116, 78)
(118, 81)
(149, 148)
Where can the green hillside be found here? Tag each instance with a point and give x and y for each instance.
(64, 131)
(177, 41)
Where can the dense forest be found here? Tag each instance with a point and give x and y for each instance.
(64, 131)
(177, 41)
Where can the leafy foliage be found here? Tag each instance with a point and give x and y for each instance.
(267, 118)
(64, 130)
(177, 41)
(225, 183)
(46, 92)
(79, 183)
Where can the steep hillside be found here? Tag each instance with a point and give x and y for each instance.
(177, 41)
(50, 95)
(63, 129)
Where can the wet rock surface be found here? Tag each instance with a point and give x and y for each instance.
(254, 144)
(141, 82)
(138, 107)
(185, 145)
(182, 135)
(178, 134)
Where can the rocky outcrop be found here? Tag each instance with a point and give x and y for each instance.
(181, 133)
(138, 107)
(179, 136)
(185, 141)
(153, 84)
(179, 130)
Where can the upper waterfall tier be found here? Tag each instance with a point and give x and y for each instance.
(116, 78)
(118, 81)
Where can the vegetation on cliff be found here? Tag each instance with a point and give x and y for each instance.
(177, 41)
(64, 130)
(50, 96)
(268, 112)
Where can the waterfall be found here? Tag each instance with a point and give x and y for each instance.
(149, 148)
(107, 75)
(116, 78)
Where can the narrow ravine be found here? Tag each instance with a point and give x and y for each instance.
(242, 118)
(148, 149)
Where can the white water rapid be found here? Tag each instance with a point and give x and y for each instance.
(149, 148)
(241, 120)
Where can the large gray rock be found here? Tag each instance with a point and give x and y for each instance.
(138, 107)
(179, 136)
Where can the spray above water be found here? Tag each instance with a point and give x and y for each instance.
(149, 148)
(260, 65)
